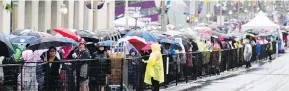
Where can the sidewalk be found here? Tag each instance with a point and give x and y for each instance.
(262, 67)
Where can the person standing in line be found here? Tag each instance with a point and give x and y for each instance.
(154, 74)
(248, 54)
(82, 53)
(29, 77)
(99, 69)
(133, 69)
(270, 49)
(52, 77)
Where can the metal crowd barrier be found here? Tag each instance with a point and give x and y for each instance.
(117, 74)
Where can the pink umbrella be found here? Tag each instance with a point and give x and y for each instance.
(148, 46)
(206, 32)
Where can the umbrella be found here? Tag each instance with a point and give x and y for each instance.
(88, 36)
(6, 46)
(73, 42)
(46, 42)
(143, 34)
(85, 33)
(159, 36)
(35, 34)
(20, 32)
(205, 33)
(23, 39)
(148, 46)
(173, 43)
(68, 40)
(137, 42)
(108, 42)
(172, 33)
(67, 33)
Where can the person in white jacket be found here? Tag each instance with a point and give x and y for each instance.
(247, 54)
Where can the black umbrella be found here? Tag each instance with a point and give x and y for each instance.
(88, 36)
(6, 46)
(46, 42)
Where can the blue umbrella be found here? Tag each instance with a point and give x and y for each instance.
(159, 37)
(174, 44)
(6, 46)
(108, 42)
(143, 34)
(23, 39)
(68, 40)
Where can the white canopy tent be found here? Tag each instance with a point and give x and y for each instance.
(260, 21)
(131, 22)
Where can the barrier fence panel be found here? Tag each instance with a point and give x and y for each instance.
(117, 74)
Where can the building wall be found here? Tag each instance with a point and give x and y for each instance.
(43, 15)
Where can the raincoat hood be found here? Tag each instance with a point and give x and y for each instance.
(180, 41)
(156, 47)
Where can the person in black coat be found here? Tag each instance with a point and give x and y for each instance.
(10, 74)
(99, 68)
(52, 69)
(133, 68)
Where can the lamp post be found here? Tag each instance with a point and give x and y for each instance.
(245, 13)
(230, 13)
(208, 16)
(63, 11)
(136, 15)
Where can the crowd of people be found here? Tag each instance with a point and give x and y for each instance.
(154, 67)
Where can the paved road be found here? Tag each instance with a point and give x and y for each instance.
(264, 76)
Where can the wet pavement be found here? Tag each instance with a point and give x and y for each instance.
(263, 76)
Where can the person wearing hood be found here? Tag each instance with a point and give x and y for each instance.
(248, 53)
(99, 68)
(181, 57)
(133, 68)
(154, 74)
(17, 52)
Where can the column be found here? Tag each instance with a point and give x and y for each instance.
(58, 14)
(102, 17)
(34, 13)
(20, 15)
(111, 14)
(90, 17)
(47, 19)
(4, 19)
(41, 13)
(80, 14)
(108, 15)
(53, 15)
(65, 16)
(85, 18)
(70, 13)
(95, 16)
(28, 15)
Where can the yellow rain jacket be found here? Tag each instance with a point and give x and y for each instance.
(154, 67)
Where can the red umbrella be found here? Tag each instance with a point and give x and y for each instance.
(69, 34)
(137, 42)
